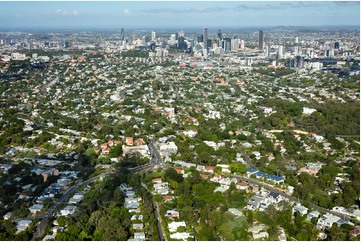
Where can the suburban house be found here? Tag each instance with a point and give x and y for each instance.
(157, 180)
(7, 216)
(225, 168)
(173, 226)
(136, 217)
(139, 236)
(22, 225)
(77, 198)
(168, 198)
(276, 197)
(138, 226)
(172, 214)
(200, 168)
(236, 212)
(299, 208)
(49, 238)
(129, 141)
(132, 202)
(209, 169)
(254, 203)
(313, 214)
(326, 221)
(256, 232)
(161, 188)
(180, 236)
(36, 208)
(68, 210)
(165, 149)
(242, 186)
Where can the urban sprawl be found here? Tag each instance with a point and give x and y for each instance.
(208, 134)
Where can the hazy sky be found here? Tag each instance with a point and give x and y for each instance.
(177, 14)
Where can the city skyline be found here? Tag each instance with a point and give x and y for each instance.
(147, 14)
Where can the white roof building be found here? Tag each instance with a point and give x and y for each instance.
(326, 221)
(173, 226)
(22, 225)
(36, 208)
(299, 208)
(139, 236)
(68, 210)
(235, 212)
(49, 237)
(180, 236)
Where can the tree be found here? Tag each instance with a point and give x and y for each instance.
(171, 175)
(238, 167)
(116, 151)
(335, 233)
(218, 170)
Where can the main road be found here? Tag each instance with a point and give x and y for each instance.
(156, 214)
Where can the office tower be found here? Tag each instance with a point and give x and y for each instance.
(205, 36)
(337, 45)
(173, 38)
(153, 36)
(219, 34)
(296, 40)
(181, 43)
(280, 52)
(226, 44)
(209, 43)
(235, 43)
(298, 62)
(68, 44)
(260, 40)
(242, 44)
(122, 38)
(180, 34)
(200, 38)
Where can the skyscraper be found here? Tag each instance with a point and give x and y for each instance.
(122, 35)
(226, 45)
(219, 34)
(181, 43)
(205, 37)
(260, 40)
(280, 52)
(153, 36)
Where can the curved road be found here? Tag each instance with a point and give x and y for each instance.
(52, 210)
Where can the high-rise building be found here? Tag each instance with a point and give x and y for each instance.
(242, 44)
(336, 45)
(219, 34)
(173, 38)
(200, 38)
(181, 43)
(296, 40)
(297, 62)
(280, 52)
(122, 37)
(153, 36)
(209, 43)
(260, 40)
(205, 36)
(235, 44)
(69, 44)
(226, 44)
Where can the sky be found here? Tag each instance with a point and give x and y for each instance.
(159, 14)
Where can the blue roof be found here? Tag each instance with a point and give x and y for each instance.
(252, 170)
(291, 167)
(268, 176)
